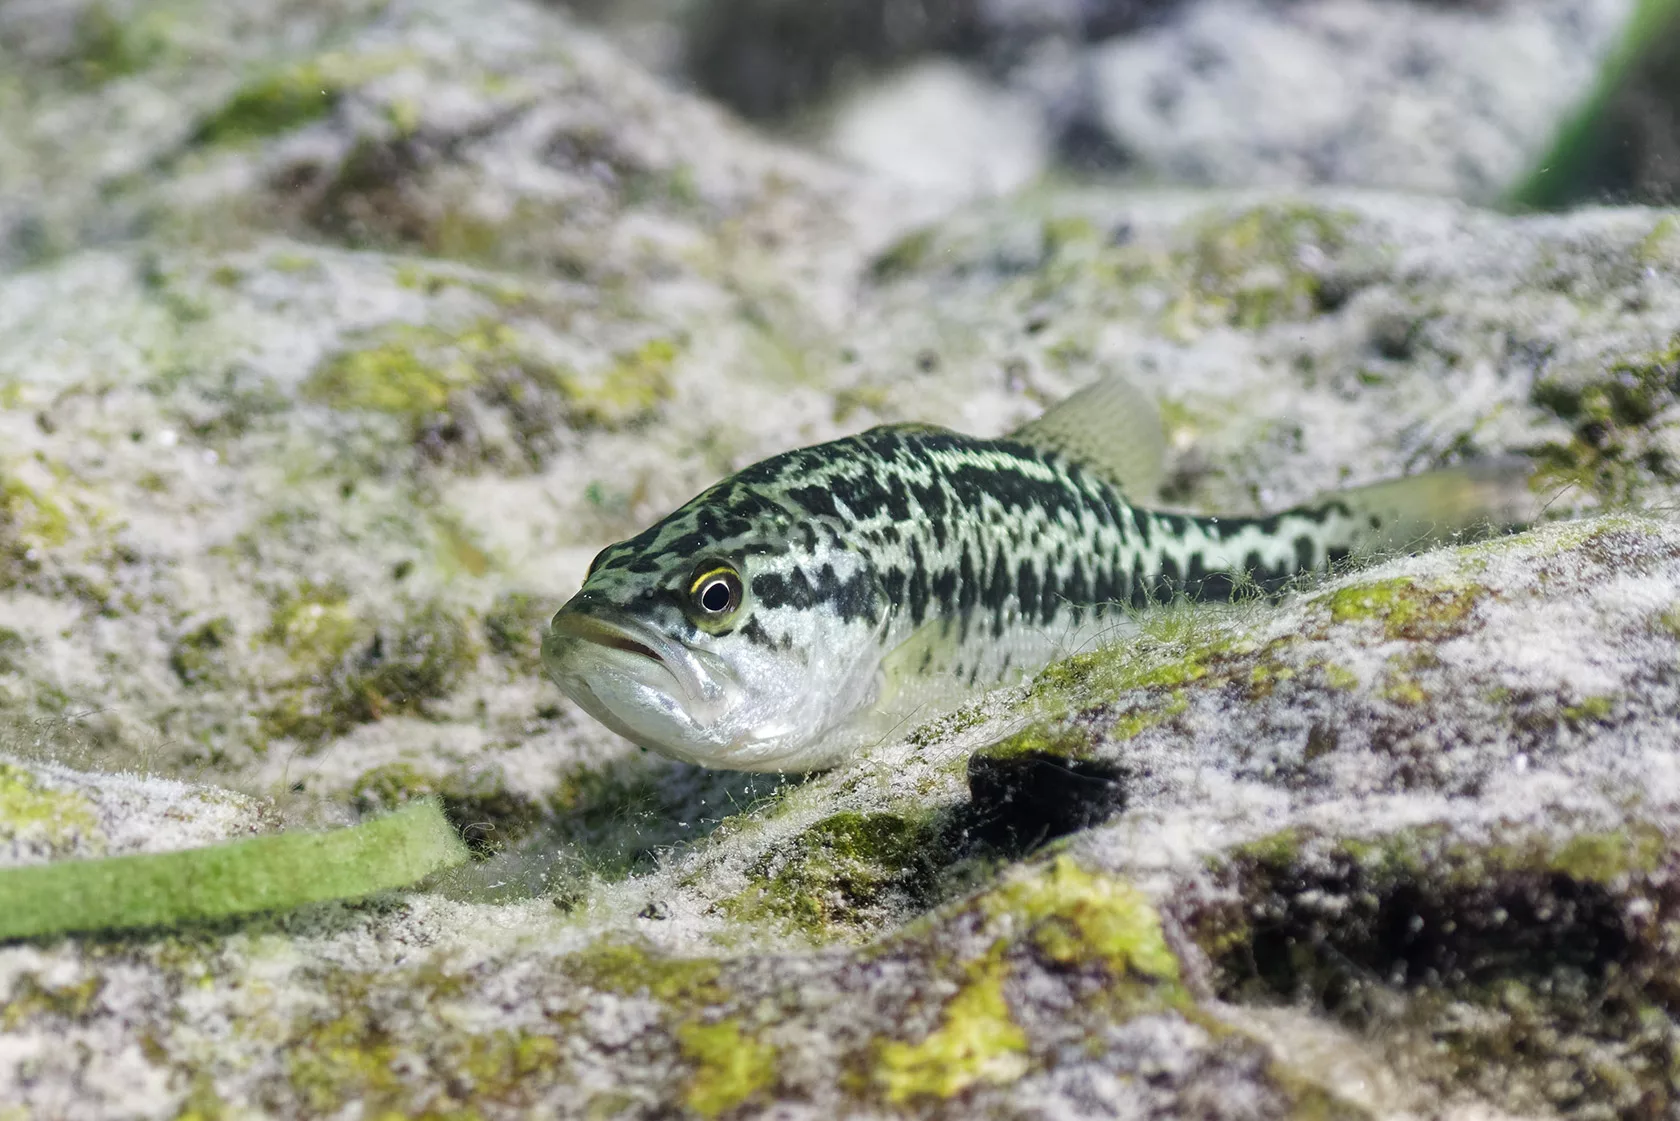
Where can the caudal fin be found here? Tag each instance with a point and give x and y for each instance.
(1452, 503)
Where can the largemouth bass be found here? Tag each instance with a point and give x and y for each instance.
(813, 602)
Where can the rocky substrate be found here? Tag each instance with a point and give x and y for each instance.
(327, 371)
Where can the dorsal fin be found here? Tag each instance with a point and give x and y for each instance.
(1109, 426)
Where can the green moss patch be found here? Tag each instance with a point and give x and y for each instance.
(847, 874)
(221, 881)
(1531, 968)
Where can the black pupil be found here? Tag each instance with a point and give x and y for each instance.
(715, 596)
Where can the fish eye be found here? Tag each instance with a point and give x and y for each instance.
(716, 590)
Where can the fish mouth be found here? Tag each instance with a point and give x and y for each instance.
(601, 632)
(701, 686)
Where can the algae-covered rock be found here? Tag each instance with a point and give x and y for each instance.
(357, 330)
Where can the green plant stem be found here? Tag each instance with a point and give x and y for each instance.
(269, 873)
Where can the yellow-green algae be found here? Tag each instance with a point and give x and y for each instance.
(313, 623)
(1079, 917)
(352, 1057)
(1589, 710)
(976, 1041)
(415, 371)
(32, 812)
(631, 967)
(731, 1067)
(1407, 608)
(1073, 917)
(1043, 738)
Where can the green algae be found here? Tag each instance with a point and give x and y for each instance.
(1246, 269)
(423, 375)
(278, 102)
(357, 672)
(32, 812)
(514, 626)
(313, 623)
(107, 47)
(200, 657)
(1043, 738)
(1610, 452)
(352, 1057)
(1408, 609)
(13, 647)
(731, 1067)
(389, 377)
(1110, 671)
(841, 875)
(31, 998)
(628, 967)
(903, 257)
(1610, 857)
(287, 98)
(976, 1041)
(234, 878)
(1073, 918)
(1589, 710)
(29, 519)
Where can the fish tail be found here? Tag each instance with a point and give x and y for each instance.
(1449, 504)
(1218, 558)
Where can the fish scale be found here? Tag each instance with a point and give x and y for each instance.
(873, 577)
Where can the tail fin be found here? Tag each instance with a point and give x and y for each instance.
(1473, 500)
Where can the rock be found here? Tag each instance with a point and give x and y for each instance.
(1465, 99)
(1420, 97)
(306, 430)
(944, 132)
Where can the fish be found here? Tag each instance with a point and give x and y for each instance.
(803, 608)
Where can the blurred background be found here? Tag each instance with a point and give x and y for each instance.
(1536, 102)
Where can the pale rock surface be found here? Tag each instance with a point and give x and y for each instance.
(293, 470)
